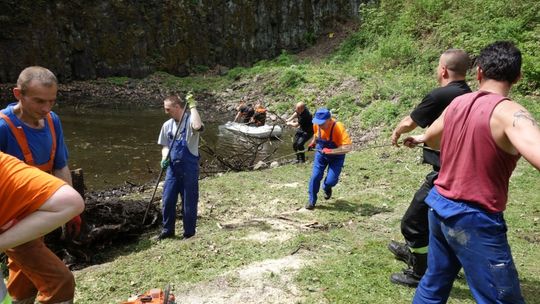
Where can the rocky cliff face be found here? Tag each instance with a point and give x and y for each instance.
(100, 38)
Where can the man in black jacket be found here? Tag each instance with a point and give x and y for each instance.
(301, 119)
(451, 73)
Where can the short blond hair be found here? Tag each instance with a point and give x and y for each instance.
(174, 99)
(44, 76)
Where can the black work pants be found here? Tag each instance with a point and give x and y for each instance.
(414, 224)
(300, 138)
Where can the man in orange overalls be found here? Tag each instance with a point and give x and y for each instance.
(331, 142)
(32, 203)
(32, 133)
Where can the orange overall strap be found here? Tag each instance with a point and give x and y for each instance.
(18, 132)
(48, 167)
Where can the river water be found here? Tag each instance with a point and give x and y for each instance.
(118, 145)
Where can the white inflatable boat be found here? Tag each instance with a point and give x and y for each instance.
(253, 131)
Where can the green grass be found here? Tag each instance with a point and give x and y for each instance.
(345, 246)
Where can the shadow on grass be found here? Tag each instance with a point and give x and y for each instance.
(346, 206)
(371, 210)
(123, 247)
(338, 205)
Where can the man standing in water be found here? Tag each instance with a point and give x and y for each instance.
(451, 73)
(180, 156)
(481, 136)
(30, 131)
(304, 132)
(332, 142)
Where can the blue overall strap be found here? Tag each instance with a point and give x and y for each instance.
(182, 132)
(331, 132)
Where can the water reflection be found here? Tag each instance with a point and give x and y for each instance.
(118, 145)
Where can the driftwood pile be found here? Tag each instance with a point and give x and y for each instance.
(109, 220)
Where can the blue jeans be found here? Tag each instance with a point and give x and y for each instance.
(462, 235)
(321, 161)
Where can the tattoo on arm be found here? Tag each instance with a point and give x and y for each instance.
(522, 114)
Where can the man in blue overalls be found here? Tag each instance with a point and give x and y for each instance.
(182, 165)
(332, 143)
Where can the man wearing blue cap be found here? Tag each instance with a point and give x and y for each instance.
(332, 143)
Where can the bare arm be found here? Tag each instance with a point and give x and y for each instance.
(432, 136)
(341, 150)
(164, 152)
(290, 121)
(237, 116)
(62, 206)
(521, 133)
(64, 174)
(406, 125)
(293, 116)
(196, 123)
(293, 124)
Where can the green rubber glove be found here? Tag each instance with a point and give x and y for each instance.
(165, 163)
(192, 103)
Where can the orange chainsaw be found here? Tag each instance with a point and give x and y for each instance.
(154, 296)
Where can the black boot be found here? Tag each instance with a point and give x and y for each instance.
(401, 252)
(411, 277)
(302, 158)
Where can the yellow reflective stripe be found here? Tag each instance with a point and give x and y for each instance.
(6, 300)
(420, 250)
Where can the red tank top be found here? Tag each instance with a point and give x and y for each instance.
(473, 167)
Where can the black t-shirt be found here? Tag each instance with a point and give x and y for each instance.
(436, 101)
(432, 107)
(246, 112)
(305, 121)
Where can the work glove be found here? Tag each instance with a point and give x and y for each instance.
(192, 103)
(73, 227)
(165, 163)
(326, 151)
(311, 147)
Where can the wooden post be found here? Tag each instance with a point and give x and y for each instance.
(78, 180)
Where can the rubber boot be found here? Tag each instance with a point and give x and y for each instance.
(411, 277)
(401, 252)
(302, 158)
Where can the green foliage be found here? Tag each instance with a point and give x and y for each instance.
(201, 69)
(118, 80)
(345, 105)
(406, 33)
(236, 73)
(292, 77)
(310, 38)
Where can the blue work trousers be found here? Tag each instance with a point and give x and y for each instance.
(182, 178)
(463, 235)
(320, 163)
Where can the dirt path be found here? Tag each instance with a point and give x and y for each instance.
(269, 281)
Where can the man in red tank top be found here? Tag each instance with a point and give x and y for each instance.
(481, 136)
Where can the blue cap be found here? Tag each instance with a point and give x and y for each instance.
(322, 115)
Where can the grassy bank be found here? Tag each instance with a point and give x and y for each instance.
(256, 244)
(253, 223)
